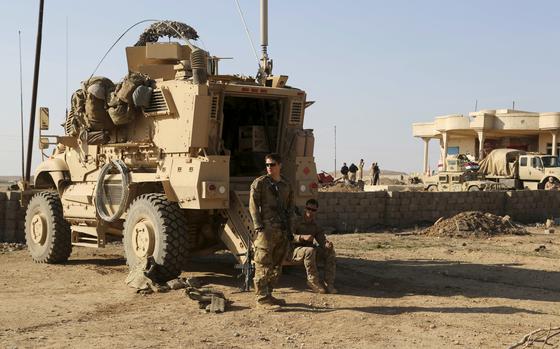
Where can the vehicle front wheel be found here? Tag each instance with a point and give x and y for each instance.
(155, 227)
(47, 233)
(474, 188)
(432, 188)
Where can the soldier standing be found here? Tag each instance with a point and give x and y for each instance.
(305, 250)
(271, 205)
(361, 170)
(376, 173)
(344, 172)
(353, 169)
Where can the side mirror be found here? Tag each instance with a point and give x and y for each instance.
(43, 118)
(43, 143)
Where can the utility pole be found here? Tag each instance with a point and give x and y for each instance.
(334, 151)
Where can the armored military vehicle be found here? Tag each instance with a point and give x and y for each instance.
(164, 159)
(460, 175)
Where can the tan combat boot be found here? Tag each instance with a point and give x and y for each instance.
(266, 304)
(277, 301)
(316, 286)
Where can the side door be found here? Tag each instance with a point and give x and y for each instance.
(535, 169)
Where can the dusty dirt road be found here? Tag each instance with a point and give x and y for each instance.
(396, 292)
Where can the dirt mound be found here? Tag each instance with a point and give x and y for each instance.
(475, 224)
(341, 187)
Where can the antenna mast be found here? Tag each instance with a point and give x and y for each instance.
(34, 94)
(21, 109)
(265, 68)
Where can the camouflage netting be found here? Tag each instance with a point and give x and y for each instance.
(170, 29)
(475, 224)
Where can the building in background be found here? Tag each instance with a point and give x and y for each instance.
(485, 130)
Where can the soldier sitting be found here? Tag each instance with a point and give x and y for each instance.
(310, 245)
(551, 184)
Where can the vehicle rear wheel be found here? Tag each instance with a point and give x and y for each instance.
(474, 188)
(47, 233)
(155, 227)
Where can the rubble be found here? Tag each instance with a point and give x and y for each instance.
(11, 247)
(474, 224)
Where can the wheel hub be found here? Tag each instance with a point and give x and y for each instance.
(143, 239)
(38, 229)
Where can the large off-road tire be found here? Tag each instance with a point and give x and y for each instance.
(474, 188)
(155, 227)
(47, 233)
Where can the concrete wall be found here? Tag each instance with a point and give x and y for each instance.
(12, 217)
(360, 211)
(364, 210)
(465, 144)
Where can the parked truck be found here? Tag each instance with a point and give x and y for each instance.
(518, 169)
(168, 168)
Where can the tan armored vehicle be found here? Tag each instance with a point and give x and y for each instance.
(164, 159)
(461, 175)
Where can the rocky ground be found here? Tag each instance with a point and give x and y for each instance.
(396, 291)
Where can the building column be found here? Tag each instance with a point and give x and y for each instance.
(554, 134)
(481, 140)
(426, 161)
(444, 138)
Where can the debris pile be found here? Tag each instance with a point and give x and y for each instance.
(11, 247)
(342, 187)
(474, 224)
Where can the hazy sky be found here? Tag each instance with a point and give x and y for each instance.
(373, 67)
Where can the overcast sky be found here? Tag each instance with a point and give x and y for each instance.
(373, 67)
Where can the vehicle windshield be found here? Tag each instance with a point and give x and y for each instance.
(550, 161)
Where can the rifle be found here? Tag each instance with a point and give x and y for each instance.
(247, 268)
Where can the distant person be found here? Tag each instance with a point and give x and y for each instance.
(344, 171)
(361, 170)
(353, 169)
(551, 184)
(376, 172)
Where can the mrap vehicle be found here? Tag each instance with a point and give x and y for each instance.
(164, 160)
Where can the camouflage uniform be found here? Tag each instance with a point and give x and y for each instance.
(309, 254)
(272, 242)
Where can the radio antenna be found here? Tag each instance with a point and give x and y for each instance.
(21, 108)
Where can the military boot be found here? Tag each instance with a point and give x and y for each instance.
(331, 289)
(316, 286)
(266, 303)
(277, 301)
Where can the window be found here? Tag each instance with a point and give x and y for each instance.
(523, 162)
(443, 179)
(549, 148)
(452, 150)
(536, 163)
(550, 161)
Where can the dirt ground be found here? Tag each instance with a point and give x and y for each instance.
(395, 292)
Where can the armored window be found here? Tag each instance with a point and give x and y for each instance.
(443, 179)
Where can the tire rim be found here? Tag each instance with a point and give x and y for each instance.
(38, 229)
(143, 239)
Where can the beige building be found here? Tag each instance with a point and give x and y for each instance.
(485, 130)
